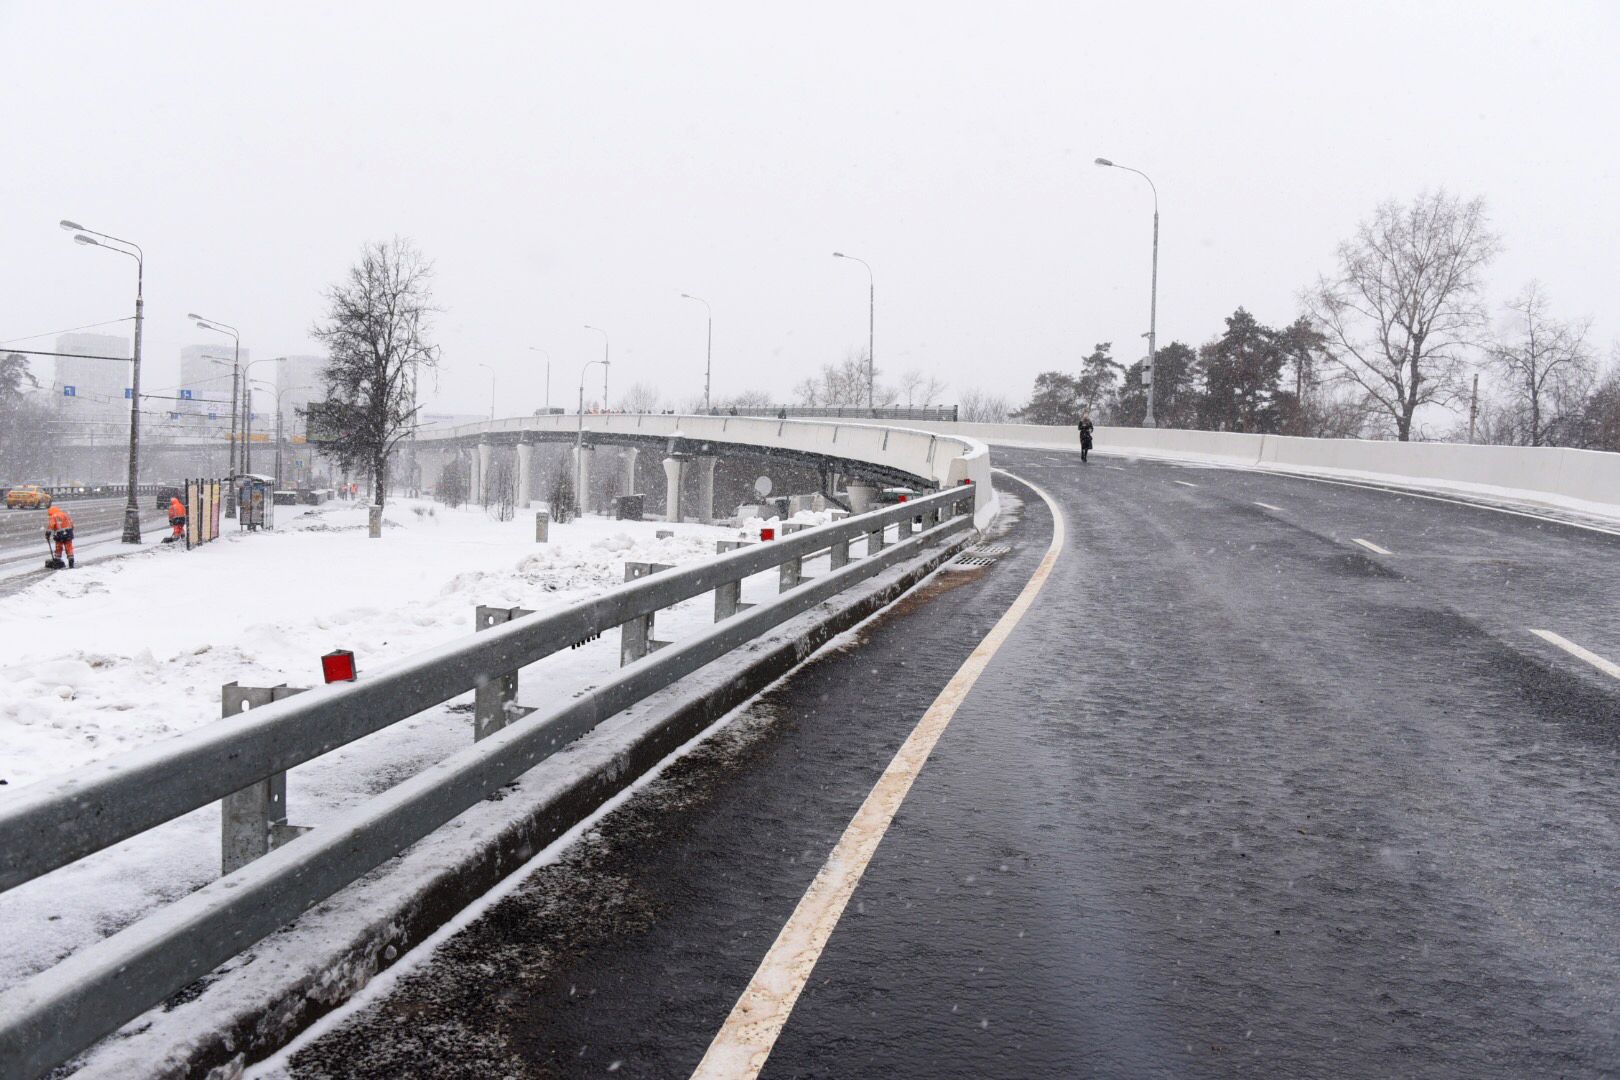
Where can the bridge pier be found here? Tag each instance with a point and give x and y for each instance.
(627, 462)
(582, 464)
(705, 492)
(674, 475)
(481, 472)
(525, 478)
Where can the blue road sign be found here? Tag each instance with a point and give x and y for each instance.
(70, 391)
(185, 395)
(129, 392)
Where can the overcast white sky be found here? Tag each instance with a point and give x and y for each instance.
(587, 163)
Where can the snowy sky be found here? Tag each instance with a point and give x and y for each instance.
(587, 163)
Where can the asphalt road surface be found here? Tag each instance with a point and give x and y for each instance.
(1274, 778)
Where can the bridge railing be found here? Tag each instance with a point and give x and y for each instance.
(56, 822)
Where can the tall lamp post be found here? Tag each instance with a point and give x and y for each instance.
(599, 330)
(542, 352)
(871, 328)
(247, 410)
(491, 371)
(89, 237)
(1153, 302)
(708, 356)
(579, 440)
(236, 377)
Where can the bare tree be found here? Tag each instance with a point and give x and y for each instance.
(455, 482)
(983, 407)
(500, 490)
(842, 384)
(376, 334)
(640, 398)
(1545, 361)
(921, 389)
(1404, 304)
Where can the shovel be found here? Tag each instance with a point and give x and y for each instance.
(53, 563)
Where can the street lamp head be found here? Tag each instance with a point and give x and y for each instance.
(839, 255)
(1104, 161)
(71, 226)
(89, 240)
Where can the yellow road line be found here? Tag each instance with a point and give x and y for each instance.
(745, 1040)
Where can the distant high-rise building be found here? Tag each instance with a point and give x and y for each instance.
(299, 380)
(205, 381)
(90, 391)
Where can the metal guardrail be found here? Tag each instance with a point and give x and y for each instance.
(63, 1010)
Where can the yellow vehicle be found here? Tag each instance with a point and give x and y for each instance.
(27, 497)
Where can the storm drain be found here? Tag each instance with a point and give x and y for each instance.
(982, 554)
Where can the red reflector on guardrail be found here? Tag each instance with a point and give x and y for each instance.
(338, 666)
(767, 534)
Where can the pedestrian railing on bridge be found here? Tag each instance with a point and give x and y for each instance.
(61, 1011)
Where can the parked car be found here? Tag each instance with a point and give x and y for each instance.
(27, 497)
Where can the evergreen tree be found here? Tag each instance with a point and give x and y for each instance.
(1056, 400)
(1242, 378)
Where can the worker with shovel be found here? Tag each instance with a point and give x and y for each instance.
(177, 519)
(59, 537)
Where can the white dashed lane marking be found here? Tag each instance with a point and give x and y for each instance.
(1608, 667)
(1268, 506)
(1370, 546)
(1183, 483)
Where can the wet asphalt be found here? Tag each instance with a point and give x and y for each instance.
(1238, 797)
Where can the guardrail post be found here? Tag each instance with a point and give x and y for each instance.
(253, 821)
(636, 635)
(874, 541)
(542, 525)
(495, 703)
(728, 595)
(792, 573)
(839, 554)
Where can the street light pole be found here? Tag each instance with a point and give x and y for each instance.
(1153, 301)
(236, 377)
(604, 334)
(579, 439)
(132, 511)
(247, 411)
(871, 328)
(708, 361)
(547, 355)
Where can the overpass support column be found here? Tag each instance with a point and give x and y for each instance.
(627, 484)
(525, 454)
(481, 472)
(582, 497)
(674, 473)
(705, 492)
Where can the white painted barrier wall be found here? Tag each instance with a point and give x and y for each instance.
(1586, 480)
(947, 458)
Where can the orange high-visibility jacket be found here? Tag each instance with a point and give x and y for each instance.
(57, 518)
(177, 509)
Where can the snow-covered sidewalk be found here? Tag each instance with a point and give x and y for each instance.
(134, 650)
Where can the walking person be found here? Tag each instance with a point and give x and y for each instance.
(177, 519)
(59, 531)
(1085, 434)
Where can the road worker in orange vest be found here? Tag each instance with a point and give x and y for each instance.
(177, 519)
(59, 532)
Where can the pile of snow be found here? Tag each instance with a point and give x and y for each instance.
(130, 651)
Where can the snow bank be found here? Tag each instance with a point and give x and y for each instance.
(133, 650)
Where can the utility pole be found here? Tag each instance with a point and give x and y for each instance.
(1153, 302)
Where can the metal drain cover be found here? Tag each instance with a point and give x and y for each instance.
(982, 554)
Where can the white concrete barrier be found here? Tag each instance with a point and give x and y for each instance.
(1584, 480)
(946, 458)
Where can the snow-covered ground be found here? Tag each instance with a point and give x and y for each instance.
(133, 650)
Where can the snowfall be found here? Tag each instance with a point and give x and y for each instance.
(130, 649)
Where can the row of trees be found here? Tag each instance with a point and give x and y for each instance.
(1397, 330)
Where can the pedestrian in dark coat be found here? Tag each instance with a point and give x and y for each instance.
(1085, 434)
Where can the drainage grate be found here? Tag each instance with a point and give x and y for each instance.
(982, 554)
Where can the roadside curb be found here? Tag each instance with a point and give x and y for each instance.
(259, 1002)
